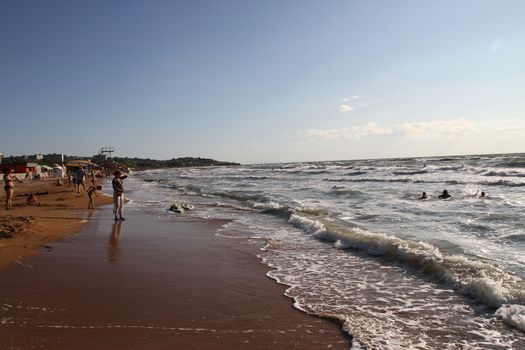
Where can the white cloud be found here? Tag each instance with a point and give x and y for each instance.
(368, 129)
(453, 127)
(346, 108)
(510, 128)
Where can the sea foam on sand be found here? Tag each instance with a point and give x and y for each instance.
(513, 315)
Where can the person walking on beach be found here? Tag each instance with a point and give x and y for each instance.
(118, 194)
(92, 191)
(9, 188)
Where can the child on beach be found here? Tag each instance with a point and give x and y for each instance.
(31, 200)
(92, 191)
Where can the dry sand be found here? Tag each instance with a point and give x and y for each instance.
(147, 283)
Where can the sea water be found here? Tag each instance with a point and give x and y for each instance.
(354, 242)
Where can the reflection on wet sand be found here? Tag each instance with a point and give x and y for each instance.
(114, 250)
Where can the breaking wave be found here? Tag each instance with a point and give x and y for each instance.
(417, 172)
(485, 282)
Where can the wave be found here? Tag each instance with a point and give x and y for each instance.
(281, 211)
(513, 163)
(415, 172)
(366, 180)
(485, 282)
(502, 183)
(445, 168)
(346, 192)
(356, 173)
(503, 173)
(308, 172)
(515, 238)
(508, 183)
(241, 196)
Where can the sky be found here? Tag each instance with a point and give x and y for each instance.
(262, 81)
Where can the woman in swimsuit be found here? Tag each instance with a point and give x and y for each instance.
(9, 188)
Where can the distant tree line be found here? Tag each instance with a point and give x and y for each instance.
(135, 163)
(147, 163)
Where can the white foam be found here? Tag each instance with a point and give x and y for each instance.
(312, 227)
(513, 315)
(485, 282)
(489, 291)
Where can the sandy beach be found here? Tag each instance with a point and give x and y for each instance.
(147, 283)
(60, 213)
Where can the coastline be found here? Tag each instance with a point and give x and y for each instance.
(148, 283)
(61, 213)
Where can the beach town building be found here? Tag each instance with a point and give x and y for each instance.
(21, 168)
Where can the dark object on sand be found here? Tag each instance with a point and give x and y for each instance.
(180, 207)
(6, 234)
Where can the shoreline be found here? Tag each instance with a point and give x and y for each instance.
(149, 283)
(61, 213)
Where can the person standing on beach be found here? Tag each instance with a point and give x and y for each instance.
(93, 179)
(118, 194)
(80, 177)
(9, 188)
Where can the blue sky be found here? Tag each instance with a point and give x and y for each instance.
(262, 81)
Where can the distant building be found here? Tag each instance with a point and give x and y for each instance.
(21, 168)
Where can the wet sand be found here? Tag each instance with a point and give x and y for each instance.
(26, 228)
(152, 283)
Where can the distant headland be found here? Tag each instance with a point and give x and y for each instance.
(104, 160)
(146, 163)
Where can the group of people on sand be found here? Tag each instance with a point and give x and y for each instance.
(446, 195)
(93, 191)
(78, 180)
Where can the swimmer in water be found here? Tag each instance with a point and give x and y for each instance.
(444, 195)
(482, 194)
(423, 196)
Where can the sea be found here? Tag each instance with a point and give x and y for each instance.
(353, 241)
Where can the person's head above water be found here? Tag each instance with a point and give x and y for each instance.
(444, 195)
